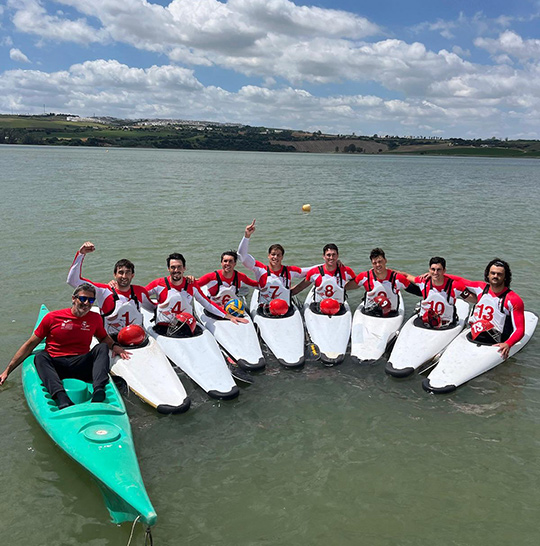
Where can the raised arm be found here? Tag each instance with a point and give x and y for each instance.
(243, 248)
(75, 277)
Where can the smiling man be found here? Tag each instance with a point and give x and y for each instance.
(498, 309)
(382, 286)
(439, 293)
(274, 280)
(119, 306)
(225, 284)
(68, 334)
(329, 278)
(175, 295)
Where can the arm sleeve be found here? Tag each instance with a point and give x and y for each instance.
(207, 304)
(517, 312)
(244, 279)
(75, 277)
(146, 302)
(243, 253)
(475, 287)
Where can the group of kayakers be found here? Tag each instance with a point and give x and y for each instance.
(498, 315)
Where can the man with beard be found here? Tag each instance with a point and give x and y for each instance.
(120, 305)
(68, 334)
(175, 295)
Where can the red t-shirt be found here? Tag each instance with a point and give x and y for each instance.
(68, 335)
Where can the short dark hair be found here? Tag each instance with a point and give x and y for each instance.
(376, 253)
(330, 246)
(437, 260)
(232, 253)
(124, 263)
(499, 263)
(276, 247)
(85, 287)
(176, 256)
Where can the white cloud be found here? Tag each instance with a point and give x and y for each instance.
(510, 43)
(18, 56)
(31, 17)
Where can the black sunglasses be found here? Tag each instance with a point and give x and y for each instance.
(84, 299)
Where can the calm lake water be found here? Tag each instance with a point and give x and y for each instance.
(343, 455)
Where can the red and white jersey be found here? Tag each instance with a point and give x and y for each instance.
(498, 309)
(68, 335)
(272, 284)
(330, 284)
(389, 287)
(118, 308)
(442, 299)
(221, 289)
(172, 299)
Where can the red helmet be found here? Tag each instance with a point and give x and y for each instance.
(329, 306)
(384, 303)
(131, 335)
(186, 318)
(480, 326)
(432, 319)
(278, 307)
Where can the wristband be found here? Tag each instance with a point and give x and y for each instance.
(114, 343)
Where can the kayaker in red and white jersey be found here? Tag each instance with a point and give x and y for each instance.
(225, 284)
(274, 280)
(119, 306)
(329, 279)
(497, 306)
(174, 294)
(439, 293)
(382, 286)
(68, 333)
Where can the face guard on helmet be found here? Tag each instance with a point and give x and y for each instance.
(484, 326)
(431, 319)
(182, 321)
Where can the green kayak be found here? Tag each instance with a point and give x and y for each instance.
(97, 436)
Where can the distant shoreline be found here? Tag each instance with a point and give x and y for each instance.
(69, 130)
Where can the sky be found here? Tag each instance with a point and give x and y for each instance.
(437, 68)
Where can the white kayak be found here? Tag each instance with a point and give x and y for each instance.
(284, 336)
(465, 359)
(149, 374)
(417, 344)
(371, 335)
(330, 333)
(200, 358)
(240, 341)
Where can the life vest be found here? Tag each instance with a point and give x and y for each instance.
(225, 293)
(375, 288)
(124, 312)
(441, 301)
(491, 308)
(276, 286)
(332, 286)
(177, 301)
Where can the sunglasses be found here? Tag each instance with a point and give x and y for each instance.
(85, 299)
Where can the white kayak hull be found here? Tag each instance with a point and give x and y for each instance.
(371, 335)
(284, 336)
(200, 358)
(330, 333)
(240, 341)
(464, 360)
(417, 345)
(149, 374)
